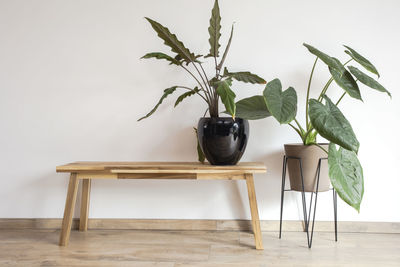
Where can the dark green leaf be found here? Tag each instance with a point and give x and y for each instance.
(281, 105)
(330, 61)
(331, 124)
(215, 31)
(187, 94)
(167, 92)
(226, 51)
(160, 55)
(367, 80)
(200, 155)
(172, 41)
(252, 108)
(244, 76)
(227, 96)
(346, 175)
(361, 60)
(346, 81)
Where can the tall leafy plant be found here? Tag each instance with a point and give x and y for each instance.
(211, 90)
(323, 117)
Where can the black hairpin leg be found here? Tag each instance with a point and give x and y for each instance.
(306, 218)
(282, 193)
(335, 211)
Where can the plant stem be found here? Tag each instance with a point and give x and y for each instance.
(308, 89)
(201, 76)
(191, 89)
(340, 99)
(297, 130)
(201, 86)
(298, 124)
(318, 145)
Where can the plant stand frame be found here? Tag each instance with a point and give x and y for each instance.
(306, 218)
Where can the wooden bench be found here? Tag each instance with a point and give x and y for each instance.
(86, 171)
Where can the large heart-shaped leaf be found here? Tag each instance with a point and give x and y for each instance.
(367, 80)
(346, 175)
(227, 96)
(346, 81)
(167, 92)
(219, 67)
(331, 124)
(252, 108)
(281, 105)
(244, 76)
(361, 60)
(159, 55)
(187, 94)
(328, 60)
(172, 41)
(215, 31)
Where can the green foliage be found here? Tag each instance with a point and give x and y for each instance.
(252, 108)
(207, 88)
(215, 31)
(281, 105)
(347, 82)
(172, 41)
(159, 55)
(219, 67)
(227, 96)
(361, 60)
(244, 76)
(346, 175)
(331, 62)
(167, 92)
(330, 123)
(367, 80)
(187, 94)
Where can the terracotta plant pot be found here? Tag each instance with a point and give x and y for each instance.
(309, 157)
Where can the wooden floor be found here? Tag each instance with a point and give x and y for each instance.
(195, 248)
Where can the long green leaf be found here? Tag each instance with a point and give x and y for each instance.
(172, 41)
(361, 60)
(227, 96)
(346, 81)
(186, 94)
(200, 155)
(221, 63)
(328, 60)
(331, 124)
(167, 92)
(281, 105)
(159, 55)
(367, 80)
(244, 76)
(215, 31)
(252, 108)
(346, 175)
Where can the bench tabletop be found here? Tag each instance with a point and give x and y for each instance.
(160, 167)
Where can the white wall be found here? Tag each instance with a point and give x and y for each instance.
(72, 87)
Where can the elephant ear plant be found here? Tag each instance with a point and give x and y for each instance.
(323, 117)
(209, 89)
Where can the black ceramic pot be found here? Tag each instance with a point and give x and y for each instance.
(223, 140)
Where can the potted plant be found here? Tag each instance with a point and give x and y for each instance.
(324, 118)
(222, 139)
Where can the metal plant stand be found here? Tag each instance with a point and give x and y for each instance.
(306, 218)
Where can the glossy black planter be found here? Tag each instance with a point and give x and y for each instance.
(223, 140)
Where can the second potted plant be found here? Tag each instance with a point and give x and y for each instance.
(324, 118)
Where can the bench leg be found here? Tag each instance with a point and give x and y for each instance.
(69, 210)
(83, 221)
(254, 211)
